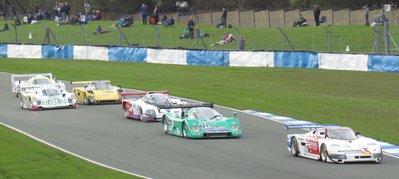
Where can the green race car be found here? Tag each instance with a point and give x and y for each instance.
(199, 120)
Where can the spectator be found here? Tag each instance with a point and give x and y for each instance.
(223, 22)
(99, 15)
(227, 38)
(191, 27)
(301, 21)
(152, 20)
(172, 20)
(57, 9)
(366, 14)
(67, 9)
(144, 13)
(5, 28)
(99, 30)
(185, 34)
(87, 7)
(156, 14)
(62, 11)
(17, 21)
(316, 13)
(37, 8)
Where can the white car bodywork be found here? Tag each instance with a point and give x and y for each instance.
(28, 82)
(334, 144)
(48, 97)
(146, 108)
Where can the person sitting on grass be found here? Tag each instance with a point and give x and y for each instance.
(228, 37)
(99, 30)
(185, 34)
(5, 28)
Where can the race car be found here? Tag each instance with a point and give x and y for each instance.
(332, 143)
(94, 92)
(145, 106)
(46, 98)
(199, 120)
(27, 82)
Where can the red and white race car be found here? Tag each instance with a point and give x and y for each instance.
(145, 105)
(332, 143)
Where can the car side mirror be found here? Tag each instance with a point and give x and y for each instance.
(357, 133)
(120, 86)
(235, 114)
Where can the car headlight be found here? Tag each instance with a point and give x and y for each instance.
(234, 127)
(195, 128)
(73, 100)
(150, 113)
(34, 103)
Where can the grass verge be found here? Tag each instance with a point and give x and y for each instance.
(23, 157)
(366, 101)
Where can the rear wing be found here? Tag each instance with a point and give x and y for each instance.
(141, 93)
(188, 105)
(308, 126)
(23, 77)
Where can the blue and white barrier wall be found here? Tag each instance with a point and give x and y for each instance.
(353, 62)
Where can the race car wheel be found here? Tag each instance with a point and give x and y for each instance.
(91, 100)
(378, 161)
(127, 113)
(184, 130)
(323, 153)
(85, 100)
(165, 125)
(294, 146)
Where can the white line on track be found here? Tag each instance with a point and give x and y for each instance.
(71, 153)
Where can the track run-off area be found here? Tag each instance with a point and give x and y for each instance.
(102, 134)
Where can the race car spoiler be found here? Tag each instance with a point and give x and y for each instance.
(188, 105)
(138, 93)
(18, 77)
(86, 82)
(307, 126)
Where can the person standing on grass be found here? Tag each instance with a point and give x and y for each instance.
(224, 17)
(366, 14)
(191, 27)
(316, 13)
(144, 13)
(67, 9)
(87, 7)
(156, 13)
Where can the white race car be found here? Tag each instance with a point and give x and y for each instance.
(27, 82)
(46, 98)
(331, 143)
(145, 107)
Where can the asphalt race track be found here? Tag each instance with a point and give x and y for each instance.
(102, 134)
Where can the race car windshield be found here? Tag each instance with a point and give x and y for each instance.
(341, 134)
(102, 86)
(51, 92)
(206, 113)
(158, 99)
(41, 81)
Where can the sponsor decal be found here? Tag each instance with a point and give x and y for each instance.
(215, 129)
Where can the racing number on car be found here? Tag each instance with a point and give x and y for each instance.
(313, 145)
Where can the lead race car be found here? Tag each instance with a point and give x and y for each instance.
(49, 97)
(29, 82)
(199, 120)
(332, 143)
(145, 105)
(99, 91)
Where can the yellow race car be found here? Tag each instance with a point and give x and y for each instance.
(94, 92)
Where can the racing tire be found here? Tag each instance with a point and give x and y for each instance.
(379, 161)
(184, 130)
(294, 147)
(85, 100)
(127, 113)
(323, 153)
(165, 125)
(90, 100)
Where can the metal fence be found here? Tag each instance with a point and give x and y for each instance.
(338, 39)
